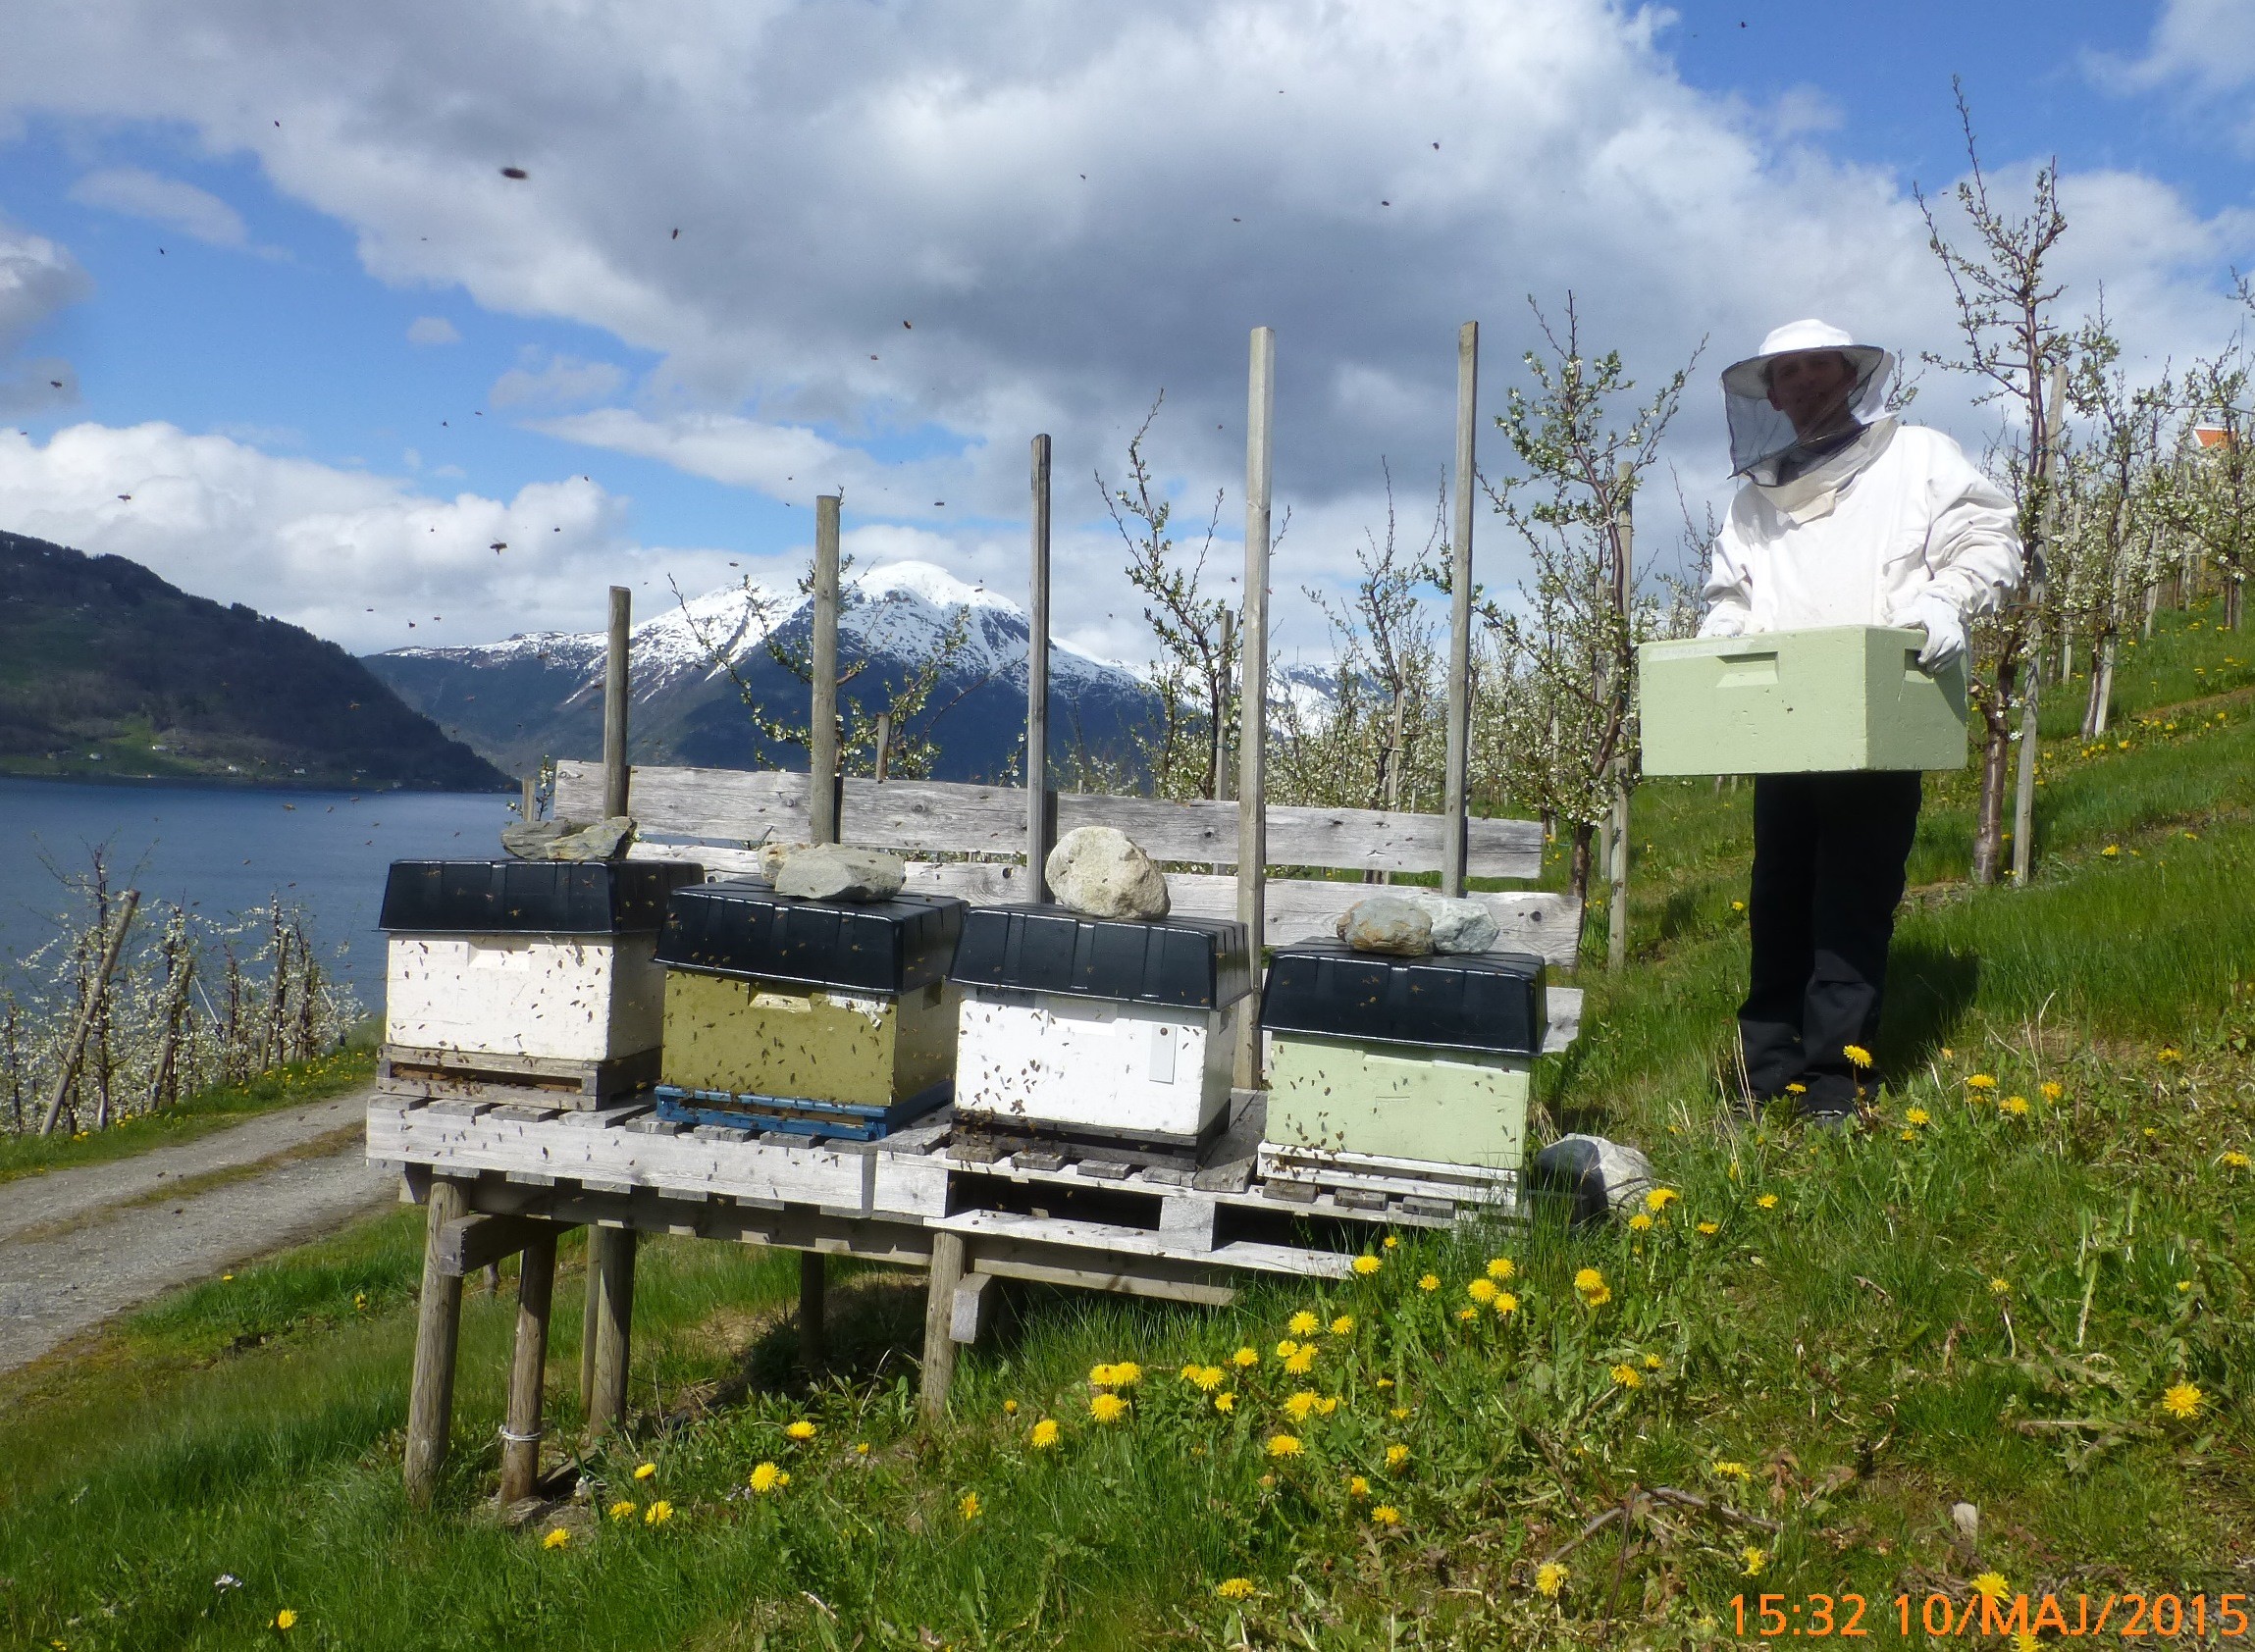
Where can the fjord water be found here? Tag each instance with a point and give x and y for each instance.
(224, 850)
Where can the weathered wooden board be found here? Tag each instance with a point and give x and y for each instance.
(928, 816)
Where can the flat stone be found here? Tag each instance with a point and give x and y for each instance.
(1387, 923)
(1459, 926)
(833, 872)
(569, 839)
(1602, 1177)
(1100, 871)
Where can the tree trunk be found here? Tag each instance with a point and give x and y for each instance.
(1996, 762)
(2233, 585)
(1578, 883)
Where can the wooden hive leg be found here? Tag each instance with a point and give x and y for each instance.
(521, 1434)
(813, 1279)
(437, 1332)
(939, 1325)
(614, 1259)
(588, 1324)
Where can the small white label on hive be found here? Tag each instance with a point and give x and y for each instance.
(1162, 1054)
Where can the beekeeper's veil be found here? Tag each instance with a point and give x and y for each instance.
(1759, 433)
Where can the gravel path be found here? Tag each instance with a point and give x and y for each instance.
(78, 1246)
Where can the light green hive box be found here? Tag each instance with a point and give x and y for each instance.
(1842, 697)
(772, 1038)
(1338, 1095)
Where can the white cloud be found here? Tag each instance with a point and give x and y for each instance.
(556, 380)
(139, 193)
(2206, 45)
(38, 280)
(321, 547)
(432, 329)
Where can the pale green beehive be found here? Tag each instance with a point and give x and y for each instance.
(1824, 701)
(1450, 1107)
(824, 1044)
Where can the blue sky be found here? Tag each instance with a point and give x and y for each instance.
(1079, 209)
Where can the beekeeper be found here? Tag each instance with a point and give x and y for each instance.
(1846, 518)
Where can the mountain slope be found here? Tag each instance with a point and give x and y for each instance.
(107, 669)
(541, 695)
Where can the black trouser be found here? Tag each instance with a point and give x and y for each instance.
(1828, 857)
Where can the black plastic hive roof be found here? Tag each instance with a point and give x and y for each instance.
(1197, 963)
(737, 927)
(530, 896)
(1476, 1000)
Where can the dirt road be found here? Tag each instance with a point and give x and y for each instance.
(77, 1246)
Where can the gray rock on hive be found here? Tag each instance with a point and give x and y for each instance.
(1099, 870)
(1388, 924)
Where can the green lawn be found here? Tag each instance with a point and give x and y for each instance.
(1996, 1297)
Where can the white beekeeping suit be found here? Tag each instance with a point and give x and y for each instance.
(1849, 518)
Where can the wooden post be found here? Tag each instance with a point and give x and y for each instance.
(1454, 797)
(939, 1326)
(438, 1330)
(1617, 841)
(522, 1433)
(616, 770)
(530, 786)
(1253, 683)
(822, 729)
(612, 1254)
(2025, 779)
(884, 743)
(813, 1277)
(1038, 817)
(89, 1011)
(1221, 788)
(593, 1318)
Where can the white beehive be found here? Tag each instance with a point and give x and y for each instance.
(1093, 1063)
(568, 998)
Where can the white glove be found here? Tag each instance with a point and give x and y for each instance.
(1944, 626)
(1722, 622)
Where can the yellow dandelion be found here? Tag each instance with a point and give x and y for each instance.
(1908, 1135)
(1482, 1291)
(1505, 1303)
(2050, 1089)
(1754, 1560)
(1916, 1116)
(1010, 1408)
(862, 1448)
(1384, 1382)
(1735, 906)
(1727, 1469)
(657, 1514)
(1300, 1363)
(1284, 1445)
(767, 1477)
(1327, 1405)
(1287, 1349)
(558, 1536)
(2234, 1160)
(1991, 1586)
(2183, 1285)
(2000, 1286)
(2016, 1106)
(1465, 1315)
(2169, 1053)
(1979, 1081)
(1366, 1264)
(1551, 1576)
(1390, 1242)
(622, 1509)
(1500, 1268)
(1857, 1057)
(1397, 1456)
(968, 1505)
(1640, 1223)
(1386, 1514)
(1297, 1406)
(1400, 1413)
(805, 1431)
(2111, 850)
(1708, 1230)
(1357, 1486)
(2025, 1640)
(1303, 1323)
(1588, 1279)
(1107, 1407)
(1767, 1201)
(1652, 1361)
(2182, 1399)
(1044, 1435)
(1628, 1376)
(1225, 1403)
(1344, 1325)
(1796, 1089)
(1234, 1588)
(1244, 1359)
(645, 1470)
(286, 1620)
(1428, 1282)
(1208, 1379)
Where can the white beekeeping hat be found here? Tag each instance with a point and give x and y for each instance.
(1759, 430)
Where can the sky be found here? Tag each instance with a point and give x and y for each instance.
(277, 321)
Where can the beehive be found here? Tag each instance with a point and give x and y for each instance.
(772, 1002)
(1421, 1058)
(1832, 699)
(1099, 1025)
(553, 960)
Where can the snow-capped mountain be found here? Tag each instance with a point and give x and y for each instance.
(541, 695)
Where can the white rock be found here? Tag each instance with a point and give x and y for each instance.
(1603, 1178)
(833, 872)
(1098, 870)
(1387, 923)
(1459, 926)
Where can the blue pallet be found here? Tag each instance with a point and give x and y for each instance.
(798, 1115)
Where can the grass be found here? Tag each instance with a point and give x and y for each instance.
(1989, 1297)
(191, 1117)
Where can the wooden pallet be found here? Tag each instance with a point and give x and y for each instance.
(501, 1077)
(1415, 1186)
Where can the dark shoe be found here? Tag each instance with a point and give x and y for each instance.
(1840, 1120)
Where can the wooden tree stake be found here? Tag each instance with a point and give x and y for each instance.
(438, 1331)
(91, 1012)
(522, 1433)
(615, 766)
(1455, 798)
(822, 729)
(1037, 815)
(1253, 686)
